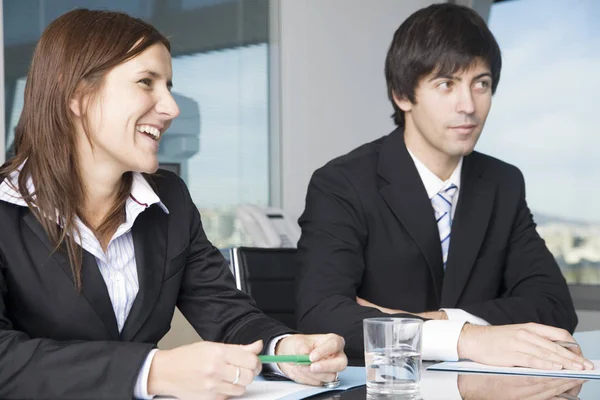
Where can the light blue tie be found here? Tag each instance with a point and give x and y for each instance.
(442, 205)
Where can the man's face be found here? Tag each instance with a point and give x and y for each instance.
(450, 111)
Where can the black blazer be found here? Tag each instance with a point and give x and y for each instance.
(56, 343)
(369, 230)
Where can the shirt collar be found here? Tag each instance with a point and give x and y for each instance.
(141, 191)
(433, 184)
(9, 192)
(143, 194)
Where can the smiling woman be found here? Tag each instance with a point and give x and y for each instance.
(62, 121)
(97, 247)
(126, 119)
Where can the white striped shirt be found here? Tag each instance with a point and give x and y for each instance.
(117, 265)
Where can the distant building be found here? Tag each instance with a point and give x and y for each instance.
(576, 248)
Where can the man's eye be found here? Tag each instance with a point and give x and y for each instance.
(445, 85)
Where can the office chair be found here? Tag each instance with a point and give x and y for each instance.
(268, 274)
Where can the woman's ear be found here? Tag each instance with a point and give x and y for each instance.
(79, 100)
(402, 102)
(75, 105)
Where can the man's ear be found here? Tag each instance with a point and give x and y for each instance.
(402, 102)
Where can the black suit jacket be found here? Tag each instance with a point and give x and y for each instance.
(56, 343)
(369, 230)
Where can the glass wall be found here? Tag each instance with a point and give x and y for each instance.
(543, 120)
(220, 142)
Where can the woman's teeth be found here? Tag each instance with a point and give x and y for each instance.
(149, 130)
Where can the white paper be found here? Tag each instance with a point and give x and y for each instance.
(271, 390)
(288, 390)
(469, 366)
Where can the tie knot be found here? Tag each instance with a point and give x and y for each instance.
(442, 201)
(449, 191)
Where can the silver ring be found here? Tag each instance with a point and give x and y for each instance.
(238, 373)
(333, 384)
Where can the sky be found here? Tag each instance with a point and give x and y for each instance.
(545, 111)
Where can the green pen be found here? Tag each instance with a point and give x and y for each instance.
(298, 359)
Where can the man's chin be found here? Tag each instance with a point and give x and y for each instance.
(456, 153)
(463, 150)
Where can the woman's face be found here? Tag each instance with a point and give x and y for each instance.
(129, 115)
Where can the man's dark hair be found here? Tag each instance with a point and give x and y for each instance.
(445, 38)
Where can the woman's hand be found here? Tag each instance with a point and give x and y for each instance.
(204, 370)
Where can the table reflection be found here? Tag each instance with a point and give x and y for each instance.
(485, 387)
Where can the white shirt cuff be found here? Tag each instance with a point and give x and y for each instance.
(439, 385)
(456, 314)
(271, 352)
(440, 340)
(140, 390)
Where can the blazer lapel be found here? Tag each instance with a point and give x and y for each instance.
(93, 288)
(407, 198)
(150, 242)
(473, 212)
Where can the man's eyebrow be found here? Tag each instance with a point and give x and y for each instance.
(484, 74)
(445, 76)
(456, 78)
(157, 75)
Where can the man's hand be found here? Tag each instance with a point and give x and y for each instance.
(326, 354)
(525, 345)
(426, 315)
(506, 387)
(204, 370)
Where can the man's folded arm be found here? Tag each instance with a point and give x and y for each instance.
(535, 289)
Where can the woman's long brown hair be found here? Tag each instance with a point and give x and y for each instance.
(71, 59)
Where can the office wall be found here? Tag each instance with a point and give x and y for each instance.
(332, 92)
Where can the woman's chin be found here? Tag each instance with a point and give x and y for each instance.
(148, 167)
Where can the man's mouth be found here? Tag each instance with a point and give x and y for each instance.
(465, 126)
(464, 129)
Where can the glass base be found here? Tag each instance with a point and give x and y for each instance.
(396, 390)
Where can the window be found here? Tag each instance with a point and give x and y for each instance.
(543, 120)
(220, 142)
(230, 90)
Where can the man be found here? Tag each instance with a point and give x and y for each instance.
(418, 223)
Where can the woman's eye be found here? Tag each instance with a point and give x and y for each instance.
(145, 81)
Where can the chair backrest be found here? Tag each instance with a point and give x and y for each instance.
(268, 276)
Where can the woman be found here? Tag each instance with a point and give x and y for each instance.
(95, 253)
